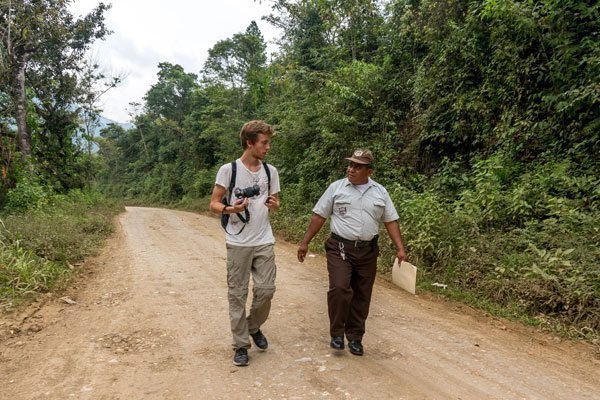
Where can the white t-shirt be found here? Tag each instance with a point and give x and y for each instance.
(258, 231)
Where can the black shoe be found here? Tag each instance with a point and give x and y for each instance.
(337, 343)
(260, 340)
(355, 347)
(241, 357)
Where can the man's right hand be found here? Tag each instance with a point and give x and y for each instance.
(316, 222)
(302, 250)
(239, 205)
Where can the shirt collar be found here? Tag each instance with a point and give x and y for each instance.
(370, 182)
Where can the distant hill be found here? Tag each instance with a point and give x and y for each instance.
(104, 122)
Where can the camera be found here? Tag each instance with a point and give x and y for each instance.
(250, 191)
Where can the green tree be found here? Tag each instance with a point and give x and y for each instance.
(307, 28)
(361, 28)
(238, 63)
(43, 47)
(170, 97)
(42, 39)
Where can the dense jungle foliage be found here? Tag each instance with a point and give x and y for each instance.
(483, 115)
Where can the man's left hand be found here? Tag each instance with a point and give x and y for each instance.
(401, 254)
(272, 203)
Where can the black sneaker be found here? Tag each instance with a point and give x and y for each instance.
(356, 347)
(241, 357)
(260, 340)
(337, 343)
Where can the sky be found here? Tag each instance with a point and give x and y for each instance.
(147, 32)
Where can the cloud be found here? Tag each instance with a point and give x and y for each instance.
(147, 32)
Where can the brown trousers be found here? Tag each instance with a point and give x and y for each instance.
(350, 286)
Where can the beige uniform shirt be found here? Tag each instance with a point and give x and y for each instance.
(356, 215)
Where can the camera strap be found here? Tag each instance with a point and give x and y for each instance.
(227, 200)
(268, 172)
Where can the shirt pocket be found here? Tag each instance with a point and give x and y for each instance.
(378, 209)
(341, 207)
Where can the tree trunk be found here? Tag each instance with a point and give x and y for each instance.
(6, 167)
(23, 135)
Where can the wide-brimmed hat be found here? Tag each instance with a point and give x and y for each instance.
(361, 156)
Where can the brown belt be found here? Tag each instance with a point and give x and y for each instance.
(356, 243)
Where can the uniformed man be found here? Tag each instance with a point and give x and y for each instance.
(356, 205)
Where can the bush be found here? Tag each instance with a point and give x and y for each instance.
(432, 232)
(541, 270)
(203, 183)
(28, 194)
(68, 232)
(38, 247)
(23, 274)
(502, 196)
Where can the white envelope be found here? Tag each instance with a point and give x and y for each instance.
(404, 275)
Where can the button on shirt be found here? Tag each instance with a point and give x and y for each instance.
(356, 215)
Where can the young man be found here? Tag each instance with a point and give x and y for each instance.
(249, 238)
(356, 205)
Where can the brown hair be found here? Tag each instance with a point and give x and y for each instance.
(251, 130)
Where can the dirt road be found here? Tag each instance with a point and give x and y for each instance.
(150, 322)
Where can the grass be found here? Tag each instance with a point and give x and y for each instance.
(23, 274)
(39, 248)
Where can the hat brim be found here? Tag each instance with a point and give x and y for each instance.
(356, 160)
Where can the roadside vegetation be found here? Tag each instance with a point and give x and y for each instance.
(44, 237)
(51, 217)
(484, 117)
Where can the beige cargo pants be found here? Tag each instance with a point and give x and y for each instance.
(241, 263)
